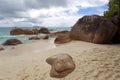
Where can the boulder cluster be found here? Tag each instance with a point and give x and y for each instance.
(96, 29)
(19, 31)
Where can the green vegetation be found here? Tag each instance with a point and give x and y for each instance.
(114, 8)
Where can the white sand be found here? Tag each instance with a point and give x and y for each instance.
(93, 61)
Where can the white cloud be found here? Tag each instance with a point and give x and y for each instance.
(63, 21)
(87, 3)
(47, 13)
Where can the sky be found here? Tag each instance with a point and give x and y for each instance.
(47, 13)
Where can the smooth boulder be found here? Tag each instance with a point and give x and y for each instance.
(12, 42)
(62, 39)
(94, 28)
(61, 65)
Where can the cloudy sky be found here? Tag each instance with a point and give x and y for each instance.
(49, 13)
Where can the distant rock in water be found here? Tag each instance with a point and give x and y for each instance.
(12, 42)
(95, 29)
(35, 31)
(19, 31)
(1, 48)
(44, 30)
(34, 38)
(60, 33)
(46, 37)
(62, 65)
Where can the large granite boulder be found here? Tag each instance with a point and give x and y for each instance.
(12, 42)
(19, 31)
(44, 30)
(116, 20)
(95, 29)
(61, 65)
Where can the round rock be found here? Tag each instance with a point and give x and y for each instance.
(61, 65)
(12, 42)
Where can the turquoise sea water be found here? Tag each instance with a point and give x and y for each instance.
(5, 33)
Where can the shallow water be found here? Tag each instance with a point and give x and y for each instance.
(5, 34)
(31, 48)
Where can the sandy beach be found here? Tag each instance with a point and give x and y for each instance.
(28, 61)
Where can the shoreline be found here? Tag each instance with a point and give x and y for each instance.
(37, 46)
(28, 62)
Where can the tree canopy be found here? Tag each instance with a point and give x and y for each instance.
(114, 8)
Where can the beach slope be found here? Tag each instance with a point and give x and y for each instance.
(28, 61)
